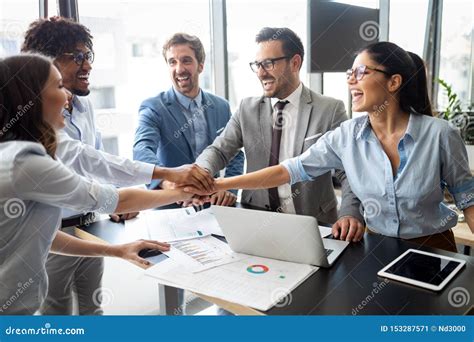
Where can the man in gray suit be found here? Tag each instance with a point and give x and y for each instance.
(281, 124)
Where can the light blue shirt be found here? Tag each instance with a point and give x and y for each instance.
(80, 149)
(80, 125)
(195, 113)
(409, 205)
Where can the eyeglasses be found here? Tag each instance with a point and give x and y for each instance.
(361, 70)
(266, 64)
(80, 57)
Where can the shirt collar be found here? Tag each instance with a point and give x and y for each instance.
(76, 106)
(186, 101)
(413, 127)
(293, 98)
(364, 128)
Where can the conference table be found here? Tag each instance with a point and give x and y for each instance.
(350, 287)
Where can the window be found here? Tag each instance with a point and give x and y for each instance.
(129, 67)
(335, 83)
(456, 44)
(408, 24)
(15, 16)
(244, 19)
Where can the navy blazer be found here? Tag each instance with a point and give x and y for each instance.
(163, 138)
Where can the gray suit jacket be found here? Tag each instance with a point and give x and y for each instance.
(251, 127)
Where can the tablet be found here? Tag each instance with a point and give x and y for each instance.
(428, 270)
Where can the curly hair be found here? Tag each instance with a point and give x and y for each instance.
(54, 36)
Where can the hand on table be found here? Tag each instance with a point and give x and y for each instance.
(123, 217)
(348, 228)
(129, 251)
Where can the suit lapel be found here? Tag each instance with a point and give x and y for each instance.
(180, 118)
(266, 123)
(304, 117)
(210, 113)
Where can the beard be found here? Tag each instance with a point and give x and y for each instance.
(80, 92)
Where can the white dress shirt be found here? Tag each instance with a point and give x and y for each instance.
(33, 189)
(287, 144)
(80, 148)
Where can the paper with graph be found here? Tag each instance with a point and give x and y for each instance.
(175, 224)
(197, 255)
(251, 281)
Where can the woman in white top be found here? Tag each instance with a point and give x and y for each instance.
(34, 186)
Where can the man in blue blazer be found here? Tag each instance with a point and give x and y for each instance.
(177, 125)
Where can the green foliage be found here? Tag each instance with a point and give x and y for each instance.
(454, 113)
(454, 103)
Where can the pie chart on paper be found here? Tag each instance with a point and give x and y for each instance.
(257, 269)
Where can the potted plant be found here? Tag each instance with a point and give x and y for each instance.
(459, 117)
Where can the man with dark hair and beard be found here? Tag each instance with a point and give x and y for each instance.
(282, 123)
(80, 148)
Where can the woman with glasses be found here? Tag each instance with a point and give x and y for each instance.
(398, 158)
(34, 186)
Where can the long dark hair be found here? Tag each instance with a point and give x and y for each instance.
(413, 92)
(22, 79)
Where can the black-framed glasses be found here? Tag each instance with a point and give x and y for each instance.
(361, 70)
(80, 57)
(266, 64)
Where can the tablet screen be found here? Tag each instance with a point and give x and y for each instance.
(425, 268)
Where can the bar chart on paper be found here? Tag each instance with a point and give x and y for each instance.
(201, 254)
(197, 252)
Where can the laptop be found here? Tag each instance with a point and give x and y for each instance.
(287, 237)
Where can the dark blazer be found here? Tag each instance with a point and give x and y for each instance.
(163, 138)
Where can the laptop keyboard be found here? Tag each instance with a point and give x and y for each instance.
(328, 251)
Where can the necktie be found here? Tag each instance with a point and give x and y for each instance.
(275, 151)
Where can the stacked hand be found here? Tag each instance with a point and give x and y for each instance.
(190, 174)
(202, 184)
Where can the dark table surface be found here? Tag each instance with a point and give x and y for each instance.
(351, 286)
